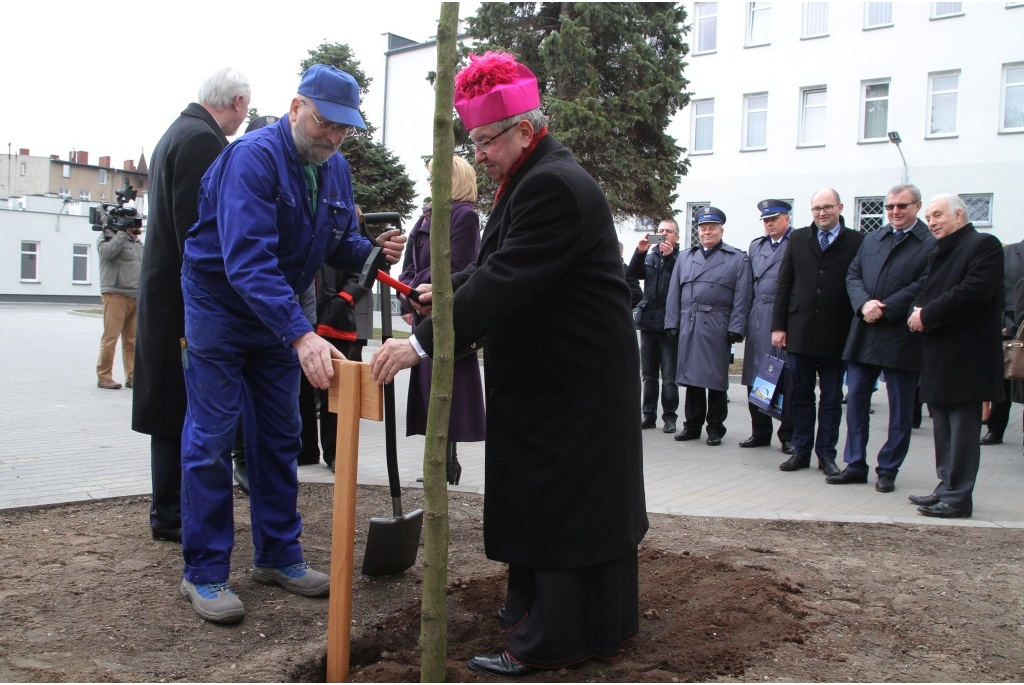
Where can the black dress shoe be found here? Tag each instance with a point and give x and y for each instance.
(787, 447)
(714, 440)
(846, 477)
(648, 422)
(924, 500)
(756, 442)
(944, 510)
(500, 664)
(795, 463)
(885, 484)
(829, 468)
(686, 435)
(991, 438)
(242, 476)
(167, 534)
(670, 427)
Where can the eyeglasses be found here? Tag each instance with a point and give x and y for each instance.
(326, 126)
(899, 205)
(484, 144)
(822, 209)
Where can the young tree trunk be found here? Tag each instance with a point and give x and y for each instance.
(433, 611)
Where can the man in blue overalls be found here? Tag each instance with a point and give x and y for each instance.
(273, 207)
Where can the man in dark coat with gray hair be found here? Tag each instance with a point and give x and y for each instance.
(959, 315)
(179, 161)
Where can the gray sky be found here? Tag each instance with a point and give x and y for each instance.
(81, 76)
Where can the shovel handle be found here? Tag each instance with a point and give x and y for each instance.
(386, 278)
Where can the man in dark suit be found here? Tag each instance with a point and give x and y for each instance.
(179, 161)
(811, 319)
(959, 315)
(1013, 271)
(562, 434)
(884, 279)
(766, 255)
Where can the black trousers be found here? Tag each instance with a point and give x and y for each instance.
(705, 404)
(562, 617)
(165, 461)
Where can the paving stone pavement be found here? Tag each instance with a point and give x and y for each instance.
(65, 440)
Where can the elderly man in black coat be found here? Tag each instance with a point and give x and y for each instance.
(959, 315)
(884, 279)
(811, 319)
(564, 493)
(179, 161)
(1013, 271)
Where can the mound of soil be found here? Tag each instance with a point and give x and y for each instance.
(86, 595)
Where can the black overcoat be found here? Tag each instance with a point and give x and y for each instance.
(894, 275)
(564, 457)
(962, 313)
(180, 159)
(811, 303)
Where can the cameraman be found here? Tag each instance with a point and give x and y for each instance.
(120, 253)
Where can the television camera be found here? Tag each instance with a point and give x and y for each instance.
(116, 217)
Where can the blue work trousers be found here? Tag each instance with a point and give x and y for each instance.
(234, 365)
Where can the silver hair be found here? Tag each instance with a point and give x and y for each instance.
(954, 202)
(536, 118)
(221, 88)
(901, 187)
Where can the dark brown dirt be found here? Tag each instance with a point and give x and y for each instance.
(85, 595)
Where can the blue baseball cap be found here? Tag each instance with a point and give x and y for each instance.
(335, 93)
(710, 215)
(770, 208)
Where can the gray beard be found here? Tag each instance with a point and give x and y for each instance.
(311, 151)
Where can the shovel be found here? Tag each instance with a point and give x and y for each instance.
(391, 543)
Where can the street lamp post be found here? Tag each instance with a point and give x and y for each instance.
(894, 138)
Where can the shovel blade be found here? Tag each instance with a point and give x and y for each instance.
(391, 544)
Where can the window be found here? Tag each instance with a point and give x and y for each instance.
(85, 195)
(815, 20)
(707, 27)
(1013, 98)
(67, 171)
(943, 89)
(23, 168)
(65, 193)
(80, 264)
(812, 117)
(703, 127)
(979, 208)
(870, 214)
(759, 15)
(103, 177)
(29, 261)
(877, 14)
(755, 121)
(941, 10)
(691, 211)
(875, 111)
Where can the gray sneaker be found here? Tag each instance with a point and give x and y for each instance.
(216, 602)
(298, 578)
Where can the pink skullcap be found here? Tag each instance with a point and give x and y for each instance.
(494, 87)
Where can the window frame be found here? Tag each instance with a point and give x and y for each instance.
(33, 257)
(692, 233)
(929, 133)
(695, 119)
(702, 31)
(76, 258)
(861, 216)
(802, 141)
(752, 14)
(868, 26)
(1003, 90)
(934, 13)
(804, 34)
(864, 102)
(972, 201)
(745, 145)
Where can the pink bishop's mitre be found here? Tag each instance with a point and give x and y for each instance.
(494, 87)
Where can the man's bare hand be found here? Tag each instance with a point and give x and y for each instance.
(393, 356)
(315, 355)
(393, 243)
(914, 323)
(424, 306)
(778, 338)
(873, 310)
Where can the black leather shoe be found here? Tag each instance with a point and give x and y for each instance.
(943, 510)
(846, 477)
(755, 442)
(686, 435)
(885, 484)
(670, 427)
(924, 500)
(991, 438)
(648, 422)
(242, 476)
(795, 463)
(500, 664)
(167, 534)
(714, 440)
(787, 447)
(829, 468)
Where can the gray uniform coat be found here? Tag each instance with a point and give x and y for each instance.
(895, 276)
(707, 300)
(764, 264)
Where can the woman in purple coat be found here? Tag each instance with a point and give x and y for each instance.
(467, 417)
